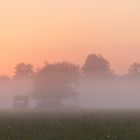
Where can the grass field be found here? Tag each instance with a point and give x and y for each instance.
(70, 126)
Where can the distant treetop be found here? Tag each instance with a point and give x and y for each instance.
(96, 65)
(23, 70)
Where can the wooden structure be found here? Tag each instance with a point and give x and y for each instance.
(21, 102)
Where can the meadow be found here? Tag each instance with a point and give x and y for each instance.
(96, 125)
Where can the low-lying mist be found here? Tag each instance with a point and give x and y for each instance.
(67, 86)
(110, 94)
(96, 94)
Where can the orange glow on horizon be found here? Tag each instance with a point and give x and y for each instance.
(35, 31)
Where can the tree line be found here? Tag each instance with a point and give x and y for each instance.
(94, 66)
(54, 82)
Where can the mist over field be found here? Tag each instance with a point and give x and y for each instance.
(67, 86)
(105, 94)
(110, 94)
(69, 69)
(10, 88)
(63, 31)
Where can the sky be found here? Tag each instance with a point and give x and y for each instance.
(35, 31)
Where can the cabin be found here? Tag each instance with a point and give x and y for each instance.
(21, 102)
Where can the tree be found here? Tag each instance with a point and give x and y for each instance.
(134, 70)
(23, 70)
(96, 65)
(53, 83)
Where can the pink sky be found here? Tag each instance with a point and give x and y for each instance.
(50, 30)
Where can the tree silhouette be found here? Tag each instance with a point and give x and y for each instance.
(134, 70)
(96, 65)
(23, 70)
(53, 84)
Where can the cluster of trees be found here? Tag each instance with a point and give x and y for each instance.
(53, 83)
(94, 66)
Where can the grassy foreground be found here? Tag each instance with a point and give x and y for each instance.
(70, 126)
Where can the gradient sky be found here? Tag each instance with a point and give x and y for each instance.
(49, 30)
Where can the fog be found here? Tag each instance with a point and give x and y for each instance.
(67, 86)
(10, 88)
(114, 93)
(110, 94)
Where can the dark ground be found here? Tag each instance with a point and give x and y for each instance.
(119, 125)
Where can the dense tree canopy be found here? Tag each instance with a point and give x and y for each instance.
(96, 65)
(54, 82)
